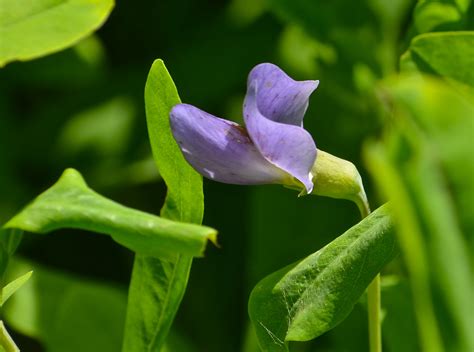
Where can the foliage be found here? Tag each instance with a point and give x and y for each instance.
(44, 306)
(30, 30)
(395, 98)
(71, 203)
(158, 284)
(306, 299)
(421, 168)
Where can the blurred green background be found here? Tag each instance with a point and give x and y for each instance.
(83, 108)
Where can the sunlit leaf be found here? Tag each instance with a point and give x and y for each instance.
(70, 203)
(32, 29)
(158, 285)
(6, 342)
(306, 299)
(447, 54)
(66, 312)
(13, 286)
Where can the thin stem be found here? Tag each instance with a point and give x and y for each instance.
(374, 302)
(373, 291)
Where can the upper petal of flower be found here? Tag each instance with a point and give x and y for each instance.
(288, 147)
(219, 149)
(279, 97)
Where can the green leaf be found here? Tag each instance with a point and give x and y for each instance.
(70, 203)
(158, 285)
(435, 15)
(13, 286)
(33, 29)
(65, 312)
(185, 199)
(306, 299)
(447, 54)
(424, 165)
(6, 342)
(9, 241)
(431, 15)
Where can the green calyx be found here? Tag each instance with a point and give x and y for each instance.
(338, 178)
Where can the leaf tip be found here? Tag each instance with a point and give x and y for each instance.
(28, 275)
(71, 175)
(213, 238)
(159, 63)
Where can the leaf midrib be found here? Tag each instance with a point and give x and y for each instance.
(337, 259)
(152, 344)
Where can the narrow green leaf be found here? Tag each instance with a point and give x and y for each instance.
(70, 203)
(9, 241)
(32, 29)
(306, 299)
(447, 54)
(13, 286)
(185, 199)
(412, 245)
(425, 165)
(6, 342)
(158, 285)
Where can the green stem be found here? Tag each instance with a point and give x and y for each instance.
(373, 291)
(374, 301)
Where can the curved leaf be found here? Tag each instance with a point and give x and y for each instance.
(306, 299)
(70, 203)
(33, 29)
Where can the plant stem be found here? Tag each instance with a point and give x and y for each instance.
(373, 291)
(375, 329)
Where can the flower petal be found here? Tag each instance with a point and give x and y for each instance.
(219, 149)
(279, 97)
(288, 147)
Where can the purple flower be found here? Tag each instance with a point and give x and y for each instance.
(273, 147)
